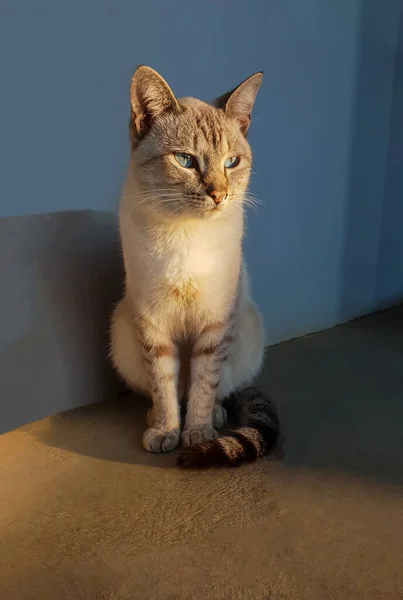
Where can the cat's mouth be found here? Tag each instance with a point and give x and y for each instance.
(213, 206)
(212, 212)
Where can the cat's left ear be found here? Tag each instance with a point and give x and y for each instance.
(238, 103)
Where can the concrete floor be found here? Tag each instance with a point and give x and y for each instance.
(85, 513)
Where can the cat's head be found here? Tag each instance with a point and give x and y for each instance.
(190, 158)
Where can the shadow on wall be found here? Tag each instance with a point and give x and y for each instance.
(389, 280)
(373, 253)
(60, 275)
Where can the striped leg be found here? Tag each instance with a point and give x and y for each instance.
(208, 354)
(163, 421)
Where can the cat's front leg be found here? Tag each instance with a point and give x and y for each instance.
(208, 354)
(161, 359)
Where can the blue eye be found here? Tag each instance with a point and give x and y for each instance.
(187, 161)
(232, 162)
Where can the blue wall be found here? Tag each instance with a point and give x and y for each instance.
(389, 284)
(373, 247)
(327, 133)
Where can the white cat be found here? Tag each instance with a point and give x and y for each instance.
(187, 328)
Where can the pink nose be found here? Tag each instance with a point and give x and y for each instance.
(217, 196)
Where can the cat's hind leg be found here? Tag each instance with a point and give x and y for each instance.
(219, 415)
(244, 358)
(125, 350)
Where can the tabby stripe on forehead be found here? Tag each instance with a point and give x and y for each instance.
(212, 128)
(204, 130)
(214, 136)
(216, 129)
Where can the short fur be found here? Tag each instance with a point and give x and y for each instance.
(187, 327)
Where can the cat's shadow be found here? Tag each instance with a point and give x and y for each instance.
(110, 431)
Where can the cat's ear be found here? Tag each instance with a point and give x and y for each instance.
(150, 96)
(238, 103)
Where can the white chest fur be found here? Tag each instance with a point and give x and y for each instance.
(190, 268)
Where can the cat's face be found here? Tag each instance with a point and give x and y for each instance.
(191, 159)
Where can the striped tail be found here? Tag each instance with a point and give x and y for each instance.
(257, 434)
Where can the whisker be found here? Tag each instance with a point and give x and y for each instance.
(151, 199)
(152, 191)
(246, 202)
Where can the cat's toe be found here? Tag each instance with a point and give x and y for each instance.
(155, 440)
(219, 416)
(195, 435)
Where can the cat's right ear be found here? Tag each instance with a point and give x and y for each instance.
(238, 103)
(150, 96)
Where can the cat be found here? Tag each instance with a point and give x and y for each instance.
(187, 329)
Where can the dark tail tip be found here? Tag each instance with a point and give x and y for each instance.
(257, 434)
(202, 456)
(240, 446)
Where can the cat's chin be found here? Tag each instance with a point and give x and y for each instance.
(214, 213)
(203, 213)
(210, 213)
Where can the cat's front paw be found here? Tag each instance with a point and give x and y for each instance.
(155, 440)
(195, 435)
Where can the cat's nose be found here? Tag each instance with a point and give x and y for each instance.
(217, 195)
